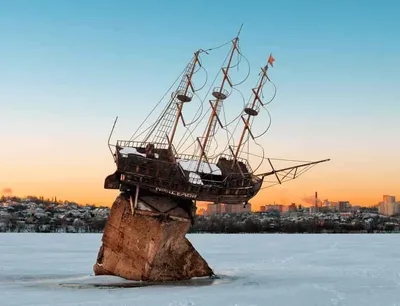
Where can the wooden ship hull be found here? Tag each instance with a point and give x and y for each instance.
(169, 174)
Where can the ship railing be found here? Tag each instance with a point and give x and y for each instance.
(182, 171)
(194, 159)
(231, 158)
(186, 157)
(214, 161)
(184, 95)
(220, 93)
(236, 177)
(140, 144)
(232, 177)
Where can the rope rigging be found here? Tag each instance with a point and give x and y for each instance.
(183, 139)
(200, 114)
(154, 108)
(233, 87)
(169, 159)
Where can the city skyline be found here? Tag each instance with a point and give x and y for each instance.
(68, 68)
(306, 203)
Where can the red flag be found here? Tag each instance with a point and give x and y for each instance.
(271, 60)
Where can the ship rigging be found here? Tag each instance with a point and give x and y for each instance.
(153, 160)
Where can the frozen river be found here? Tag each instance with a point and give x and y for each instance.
(273, 270)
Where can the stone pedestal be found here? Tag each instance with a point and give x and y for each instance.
(147, 242)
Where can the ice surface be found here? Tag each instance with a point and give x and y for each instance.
(274, 270)
(191, 166)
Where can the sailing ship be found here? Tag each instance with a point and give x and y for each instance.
(153, 161)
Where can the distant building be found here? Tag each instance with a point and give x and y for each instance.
(397, 208)
(389, 199)
(271, 208)
(355, 208)
(237, 208)
(313, 209)
(389, 206)
(216, 209)
(340, 206)
(343, 206)
(333, 206)
(292, 207)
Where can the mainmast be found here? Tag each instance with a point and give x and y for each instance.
(220, 94)
(253, 109)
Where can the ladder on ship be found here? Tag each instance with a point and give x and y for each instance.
(166, 122)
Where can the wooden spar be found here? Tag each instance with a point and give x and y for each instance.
(180, 105)
(256, 98)
(262, 175)
(109, 137)
(214, 107)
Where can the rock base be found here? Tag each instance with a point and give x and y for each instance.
(147, 242)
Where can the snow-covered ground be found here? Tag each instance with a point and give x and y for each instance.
(273, 270)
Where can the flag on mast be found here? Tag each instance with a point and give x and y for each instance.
(271, 60)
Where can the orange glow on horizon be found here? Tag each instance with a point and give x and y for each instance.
(78, 176)
(102, 197)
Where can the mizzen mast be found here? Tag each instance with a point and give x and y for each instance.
(220, 94)
(253, 108)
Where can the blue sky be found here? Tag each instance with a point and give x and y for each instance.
(69, 67)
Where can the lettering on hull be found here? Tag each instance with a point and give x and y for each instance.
(177, 193)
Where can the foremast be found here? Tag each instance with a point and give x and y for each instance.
(220, 94)
(184, 95)
(253, 108)
(163, 132)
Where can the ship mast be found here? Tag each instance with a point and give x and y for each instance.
(252, 109)
(220, 94)
(183, 96)
(165, 128)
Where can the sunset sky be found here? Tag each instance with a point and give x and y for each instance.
(67, 68)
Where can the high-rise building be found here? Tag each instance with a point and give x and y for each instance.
(389, 199)
(389, 206)
(397, 208)
(382, 208)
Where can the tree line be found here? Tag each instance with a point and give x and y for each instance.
(252, 223)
